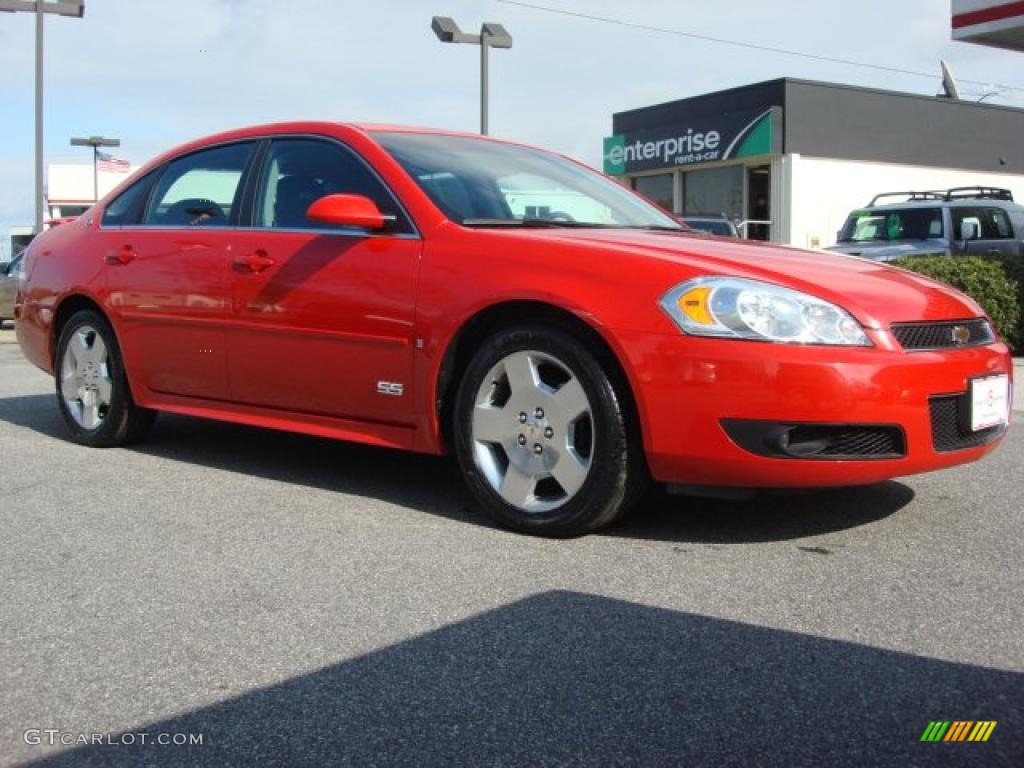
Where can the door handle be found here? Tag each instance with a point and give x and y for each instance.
(256, 261)
(123, 255)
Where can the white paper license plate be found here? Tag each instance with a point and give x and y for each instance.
(990, 401)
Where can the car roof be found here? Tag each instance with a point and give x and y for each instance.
(327, 126)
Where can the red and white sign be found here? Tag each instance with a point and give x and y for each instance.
(989, 22)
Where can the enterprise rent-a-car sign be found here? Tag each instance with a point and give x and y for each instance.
(737, 134)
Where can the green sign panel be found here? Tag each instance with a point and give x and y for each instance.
(729, 136)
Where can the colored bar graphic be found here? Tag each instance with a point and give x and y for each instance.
(935, 730)
(958, 730)
(982, 730)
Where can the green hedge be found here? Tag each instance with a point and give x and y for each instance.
(996, 284)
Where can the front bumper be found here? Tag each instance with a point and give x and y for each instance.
(686, 387)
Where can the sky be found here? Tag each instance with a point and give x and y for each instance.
(155, 73)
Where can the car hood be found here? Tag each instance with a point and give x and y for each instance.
(886, 251)
(876, 294)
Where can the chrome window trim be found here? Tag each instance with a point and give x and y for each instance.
(351, 232)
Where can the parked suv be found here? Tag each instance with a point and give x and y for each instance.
(977, 221)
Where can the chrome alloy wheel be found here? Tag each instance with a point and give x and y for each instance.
(532, 431)
(85, 382)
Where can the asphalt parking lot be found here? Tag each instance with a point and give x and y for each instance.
(296, 601)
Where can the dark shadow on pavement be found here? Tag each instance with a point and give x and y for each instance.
(570, 679)
(769, 516)
(432, 484)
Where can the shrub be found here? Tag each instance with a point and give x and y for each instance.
(1014, 268)
(984, 280)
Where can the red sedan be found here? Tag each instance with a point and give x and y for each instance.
(567, 340)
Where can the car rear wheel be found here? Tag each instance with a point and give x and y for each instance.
(92, 390)
(542, 436)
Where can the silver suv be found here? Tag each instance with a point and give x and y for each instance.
(976, 221)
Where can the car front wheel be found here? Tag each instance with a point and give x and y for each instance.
(542, 435)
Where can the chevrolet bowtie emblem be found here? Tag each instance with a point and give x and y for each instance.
(961, 335)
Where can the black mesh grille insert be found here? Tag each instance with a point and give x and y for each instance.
(950, 431)
(817, 441)
(955, 333)
(850, 442)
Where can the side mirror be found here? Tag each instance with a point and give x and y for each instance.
(968, 230)
(347, 211)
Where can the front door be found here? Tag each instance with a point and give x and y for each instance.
(323, 316)
(168, 273)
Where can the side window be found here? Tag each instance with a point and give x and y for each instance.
(1017, 219)
(960, 215)
(200, 189)
(296, 172)
(126, 208)
(998, 225)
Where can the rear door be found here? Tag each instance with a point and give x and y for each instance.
(995, 233)
(167, 248)
(322, 316)
(999, 229)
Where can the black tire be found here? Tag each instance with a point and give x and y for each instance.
(617, 474)
(122, 421)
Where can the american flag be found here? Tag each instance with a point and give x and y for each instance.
(111, 164)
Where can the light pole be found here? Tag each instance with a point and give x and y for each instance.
(75, 9)
(95, 142)
(491, 36)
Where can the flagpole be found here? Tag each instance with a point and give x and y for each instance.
(95, 142)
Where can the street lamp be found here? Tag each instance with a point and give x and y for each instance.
(95, 142)
(73, 8)
(491, 36)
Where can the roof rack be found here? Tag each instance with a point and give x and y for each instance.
(988, 193)
(910, 196)
(955, 193)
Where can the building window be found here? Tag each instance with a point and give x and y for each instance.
(657, 189)
(714, 192)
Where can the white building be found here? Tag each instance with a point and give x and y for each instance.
(69, 192)
(804, 154)
(69, 187)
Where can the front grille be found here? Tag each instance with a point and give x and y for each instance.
(944, 335)
(950, 431)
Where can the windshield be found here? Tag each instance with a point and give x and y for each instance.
(487, 183)
(902, 224)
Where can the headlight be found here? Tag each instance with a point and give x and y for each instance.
(735, 308)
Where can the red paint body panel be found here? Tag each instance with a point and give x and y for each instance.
(169, 304)
(300, 338)
(339, 309)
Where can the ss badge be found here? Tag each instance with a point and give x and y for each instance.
(392, 388)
